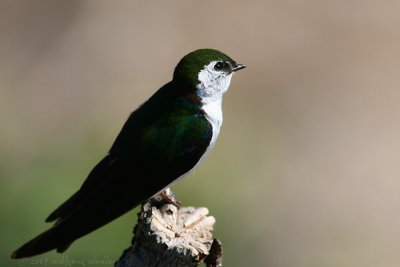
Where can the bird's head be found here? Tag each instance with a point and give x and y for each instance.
(209, 71)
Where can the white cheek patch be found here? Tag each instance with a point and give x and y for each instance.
(213, 82)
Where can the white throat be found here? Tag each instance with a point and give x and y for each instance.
(213, 83)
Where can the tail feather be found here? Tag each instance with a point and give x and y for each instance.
(63, 248)
(98, 202)
(65, 209)
(44, 242)
(95, 178)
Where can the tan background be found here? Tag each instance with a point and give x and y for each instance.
(306, 170)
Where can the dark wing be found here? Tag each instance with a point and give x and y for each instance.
(164, 151)
(150, 144)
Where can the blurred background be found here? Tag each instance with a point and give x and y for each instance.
(306, 169)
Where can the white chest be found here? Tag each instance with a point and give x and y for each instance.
(212, 107)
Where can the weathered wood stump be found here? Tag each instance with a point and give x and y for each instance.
(170, 236)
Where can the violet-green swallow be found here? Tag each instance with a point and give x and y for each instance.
(161, 142)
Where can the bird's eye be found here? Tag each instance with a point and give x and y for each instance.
(219, 65)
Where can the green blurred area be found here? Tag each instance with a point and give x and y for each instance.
(305, 171)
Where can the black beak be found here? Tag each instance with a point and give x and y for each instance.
(238, 67)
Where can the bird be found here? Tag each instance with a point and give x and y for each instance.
(162, 141)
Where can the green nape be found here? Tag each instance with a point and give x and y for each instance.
(190, 65)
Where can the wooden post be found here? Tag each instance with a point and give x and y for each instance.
(170, 236)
